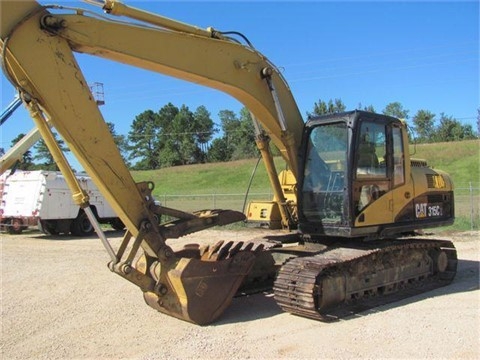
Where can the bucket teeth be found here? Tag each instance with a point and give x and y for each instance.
(212, 250)
(222, 250)
(249, 246)
(236, 248)
(259, 248)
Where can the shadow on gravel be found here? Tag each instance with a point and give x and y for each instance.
(250, 307)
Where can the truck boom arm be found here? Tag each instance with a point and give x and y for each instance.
(8, 111)
(16, 152)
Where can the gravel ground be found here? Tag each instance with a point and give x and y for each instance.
(59, 301)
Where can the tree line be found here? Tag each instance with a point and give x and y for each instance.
(425, 126)
(175, 136)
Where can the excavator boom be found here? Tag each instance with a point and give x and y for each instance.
(37, 57)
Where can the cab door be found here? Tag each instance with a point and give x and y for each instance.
(402, 185)
(372, 174)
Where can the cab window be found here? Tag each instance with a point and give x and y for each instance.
(371, 176)
(371, 151)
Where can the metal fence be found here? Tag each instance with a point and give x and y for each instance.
(467, 202)
(211, 201)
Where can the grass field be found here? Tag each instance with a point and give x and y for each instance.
(223, 185)
(460, 159)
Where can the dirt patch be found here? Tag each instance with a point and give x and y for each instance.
(60, 301)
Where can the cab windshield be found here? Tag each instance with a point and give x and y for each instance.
(324, 177)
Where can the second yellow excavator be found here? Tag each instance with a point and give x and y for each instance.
(356, 190)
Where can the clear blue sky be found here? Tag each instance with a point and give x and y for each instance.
(423, 54)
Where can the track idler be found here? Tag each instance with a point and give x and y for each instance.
(201, 282)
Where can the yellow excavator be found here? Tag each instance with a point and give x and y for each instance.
(357, 192)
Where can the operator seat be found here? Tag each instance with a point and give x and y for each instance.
(367, 157)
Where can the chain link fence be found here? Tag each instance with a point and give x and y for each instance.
(212, 201)
(467, 203)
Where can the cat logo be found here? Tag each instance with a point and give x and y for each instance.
(420, 210)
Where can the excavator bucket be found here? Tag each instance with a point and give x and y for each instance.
(202, 283)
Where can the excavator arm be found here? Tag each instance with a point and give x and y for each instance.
(318, 276)
(37, 56)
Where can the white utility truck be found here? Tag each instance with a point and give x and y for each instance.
(43, 198)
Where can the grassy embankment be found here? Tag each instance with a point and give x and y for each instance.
(460, 159)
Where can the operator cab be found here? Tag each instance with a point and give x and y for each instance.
(353, 164)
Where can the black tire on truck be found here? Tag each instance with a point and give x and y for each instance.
(48, 227)
(16, 226)
(81, 226)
